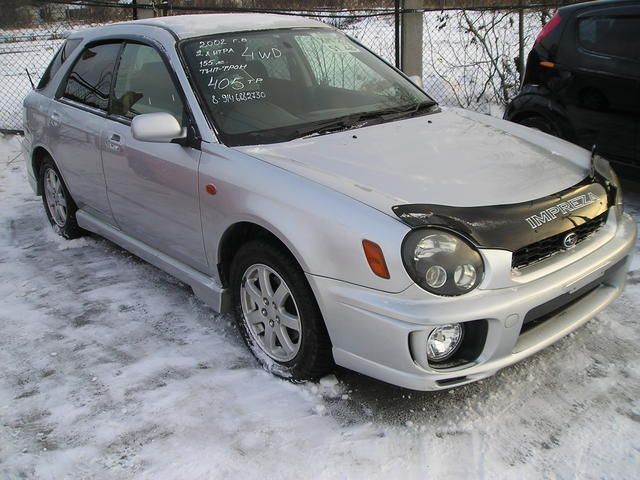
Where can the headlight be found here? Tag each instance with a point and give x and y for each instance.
(442, 262)
(603, 167)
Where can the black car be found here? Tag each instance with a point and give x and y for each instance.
(582, 81)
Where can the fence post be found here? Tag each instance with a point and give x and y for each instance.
(397, 7)
(411, 38)
(521, 59)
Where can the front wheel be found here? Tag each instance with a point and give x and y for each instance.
(58, 204)
(277, 312)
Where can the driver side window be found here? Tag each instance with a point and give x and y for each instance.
(144, 85)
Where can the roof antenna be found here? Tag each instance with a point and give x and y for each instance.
(33, 87)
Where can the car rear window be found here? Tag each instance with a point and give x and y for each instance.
(61, 56)
(90, 78)
(614, 36)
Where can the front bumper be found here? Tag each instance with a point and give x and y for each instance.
(382, 335)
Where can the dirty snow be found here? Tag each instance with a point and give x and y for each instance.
(111, 369)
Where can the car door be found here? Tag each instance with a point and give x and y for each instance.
(152, 187)
(76, 120)
(604, 95)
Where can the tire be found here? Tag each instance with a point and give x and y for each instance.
(58, 204)
(538, 122)
(303, 354)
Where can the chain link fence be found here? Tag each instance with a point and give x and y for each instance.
(30, 35)
(469, 55)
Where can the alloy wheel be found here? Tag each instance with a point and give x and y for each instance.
(270, 313)
(55, 197)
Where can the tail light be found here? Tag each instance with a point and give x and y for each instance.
(548, 28)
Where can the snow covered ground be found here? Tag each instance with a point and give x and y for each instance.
(111, 369)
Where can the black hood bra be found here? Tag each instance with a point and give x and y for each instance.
(511, 227)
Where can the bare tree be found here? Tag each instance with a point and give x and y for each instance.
(469, 55)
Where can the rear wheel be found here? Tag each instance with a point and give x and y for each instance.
(58, 204)
(277, 313)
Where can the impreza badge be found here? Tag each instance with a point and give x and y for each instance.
(564, 208)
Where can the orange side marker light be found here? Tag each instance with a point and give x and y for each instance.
(375, 258)
(211, 189)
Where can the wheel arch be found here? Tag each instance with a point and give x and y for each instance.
(525, 114)
(37, 157)
(239, 234)
(537, 105)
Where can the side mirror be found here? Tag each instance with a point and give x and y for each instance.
(160, 127)
(417, 80)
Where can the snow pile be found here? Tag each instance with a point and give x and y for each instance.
(112, 369)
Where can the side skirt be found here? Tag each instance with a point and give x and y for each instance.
(204, 287)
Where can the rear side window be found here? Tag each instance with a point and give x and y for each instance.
(614, 36)
(144, 85)
(63, 53)
(90, 79)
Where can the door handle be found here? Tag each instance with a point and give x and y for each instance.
(54, 119)
(114, 142)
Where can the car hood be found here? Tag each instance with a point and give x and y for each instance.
(455, 158)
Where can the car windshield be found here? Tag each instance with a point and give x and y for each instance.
(276, 85)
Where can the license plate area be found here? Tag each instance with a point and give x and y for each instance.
(574, 293)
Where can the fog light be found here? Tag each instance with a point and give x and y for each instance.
(443, 342)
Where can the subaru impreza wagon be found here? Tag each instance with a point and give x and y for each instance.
(292, 177)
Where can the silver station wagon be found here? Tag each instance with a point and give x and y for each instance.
(290, 176)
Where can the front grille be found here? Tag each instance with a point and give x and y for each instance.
(535, 252)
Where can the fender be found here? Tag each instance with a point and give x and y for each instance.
(322, 228)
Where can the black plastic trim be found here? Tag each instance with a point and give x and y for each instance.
(505, 226)
(546, 311)
(82, 106)
(538, 251)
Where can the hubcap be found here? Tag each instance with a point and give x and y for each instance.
(270, 313)
(54, 196)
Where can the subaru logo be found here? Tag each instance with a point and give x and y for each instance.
(570, 240)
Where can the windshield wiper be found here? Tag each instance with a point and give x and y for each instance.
(357, 120)
(398, 112)
(330, 126)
